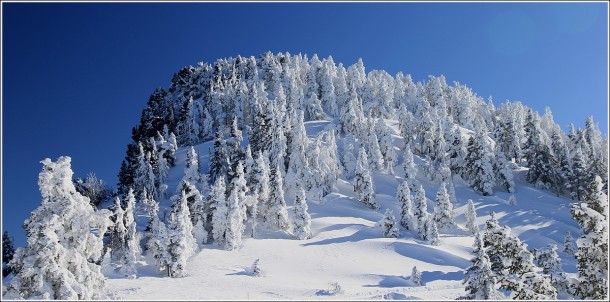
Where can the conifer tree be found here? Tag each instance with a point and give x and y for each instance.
(569, 247)
(403, 194)
(479, 279)
(471, 217)
(118, 236)
(478, 162)
(278, 215)
(50, 267)
(363, 183)
(302, 222)
(182, 244)
(409, 166)
(386, 145)
(549, 261)
(592, 254)
(443, 209)
(131, 249)
(8, 250)
(235, 217)
(219, 159)
(144, 175)
(262, 185)
(219, 204)
(375, 157)
(416, 276)
(421, 213)
(389, 227)
(158, 241)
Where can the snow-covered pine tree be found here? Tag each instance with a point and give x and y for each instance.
(219, 159)
(409, 166)
(549, 261)
(188, 125)
(298, 168)
(363, 183)
(182, 244)
(479, 279)
(416, 276)
(406, 125)
(403, 195)
(249, 164)
(443, 209)
(386, 145)
(158, 241)
(375, 157)
(389, 227)
(8, 250)
(513, 264)
(592, 254)
(349, 159)
(504, 174)
(220, 207)
(456, 152)
(478, 163)
(421, 213)
(131, 249)
(50, 267)
(302, 221)
(471, 217)
(144, 177)
(262, 185)
(432, 229)
(538, 154)
(235, 217)
(569, 247)
(278, 215)
(119, 231)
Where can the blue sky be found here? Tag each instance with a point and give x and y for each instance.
(77, 76)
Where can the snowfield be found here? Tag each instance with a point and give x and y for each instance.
(348, 248)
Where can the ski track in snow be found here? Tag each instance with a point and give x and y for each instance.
(347, 246)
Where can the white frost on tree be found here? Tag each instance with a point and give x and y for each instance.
(363, 183)
(389, 227)
(302, 221)
(60, 256)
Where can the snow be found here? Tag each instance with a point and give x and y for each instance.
(347, 246)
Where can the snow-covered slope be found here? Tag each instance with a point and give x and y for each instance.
(348, 248)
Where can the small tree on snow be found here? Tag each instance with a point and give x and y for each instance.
(409, 166)
(235, 221)
(432, 232)
(158, 242)
(403, 194)
(302, 221)
(219, 217)
(471, 217)
(569, 247)
(278, 214)
(479, 278)
(389, 227)
(131, 249)
(256, 270)
(363, 183)
(182, 243)
(443, 209)
(416, 276)
(421, 213)
(549, 261)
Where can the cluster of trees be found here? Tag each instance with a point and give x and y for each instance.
(503, 262)
(254, 110)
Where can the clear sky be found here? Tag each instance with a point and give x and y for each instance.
(77, 76)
